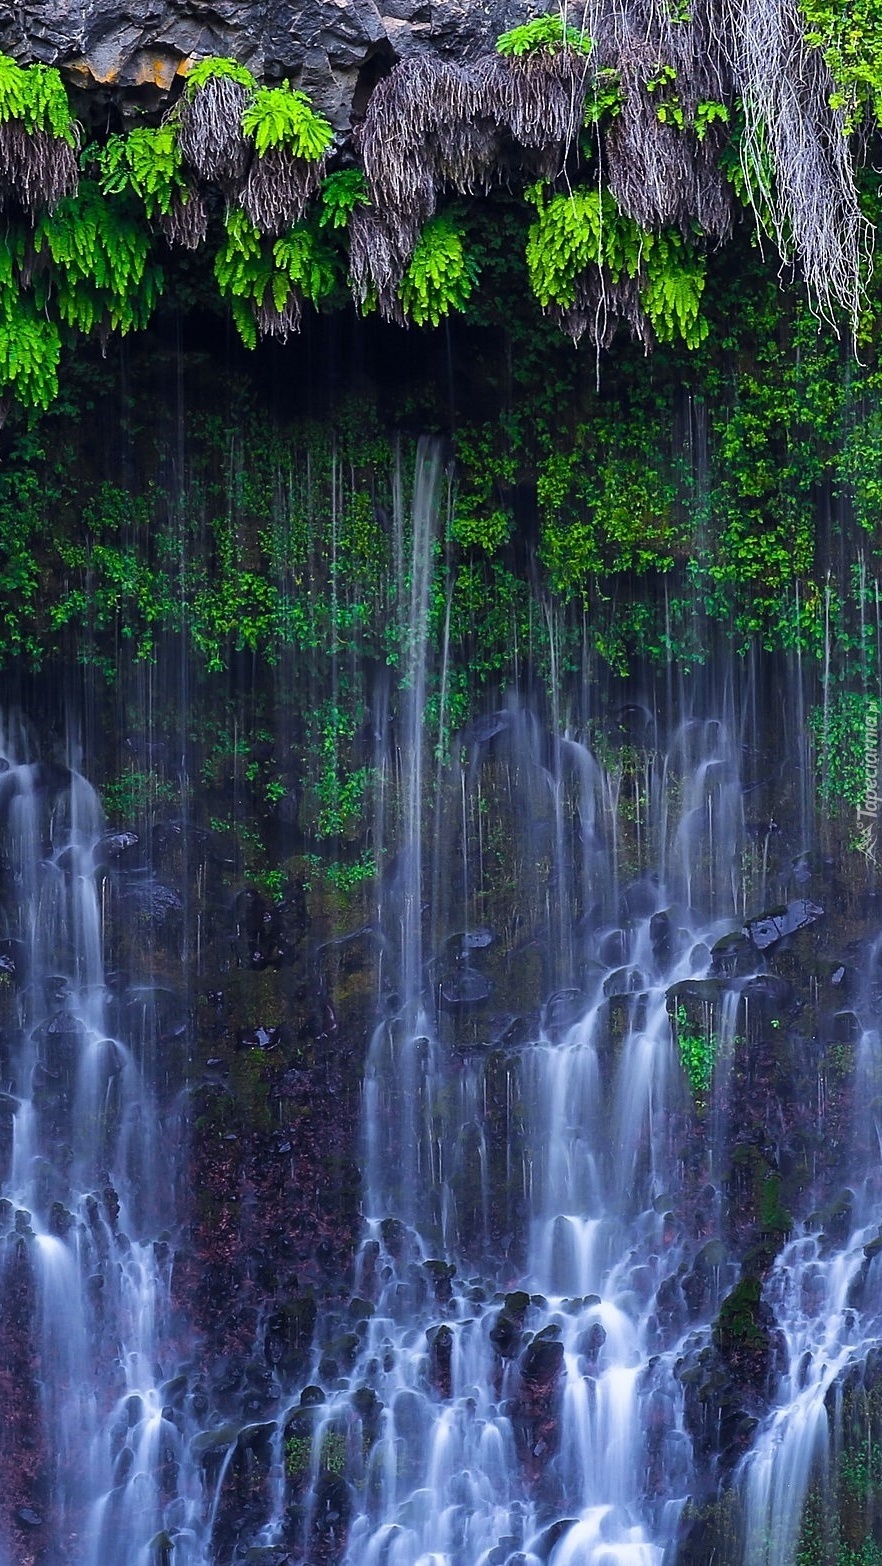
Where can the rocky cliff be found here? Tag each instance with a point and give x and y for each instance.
(335, 49)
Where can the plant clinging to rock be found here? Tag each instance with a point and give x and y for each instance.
(211, 138)
(38, 137)
(291, 143)
(267, 283)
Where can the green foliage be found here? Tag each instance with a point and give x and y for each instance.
(252, 271)
(549, 33)
(605, 96)
(146, 162)
(30, 349)
(298, 1456)
(307, 262)
(840, 733)
(572, 231)
(35, 95)
(848, 34)
(341, 193)
(217, 66)
(284, 117)
(672, 291)
(440, 276)
(103, 277)
(698, 1052)
(668, 105)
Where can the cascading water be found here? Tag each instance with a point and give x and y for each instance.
(540, 1422)
(516, 1376)
(88, 1187)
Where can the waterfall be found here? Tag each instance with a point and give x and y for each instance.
(583, 1021)
(85, 1193)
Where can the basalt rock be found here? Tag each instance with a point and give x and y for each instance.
(138, 52)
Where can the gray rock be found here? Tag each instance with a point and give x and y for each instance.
(141, 49)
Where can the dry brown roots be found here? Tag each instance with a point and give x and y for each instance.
(186, 222)
(210, 135)
(36, 169)
(279, 323)
(278, 189)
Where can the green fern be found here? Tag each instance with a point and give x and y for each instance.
(441, 275)
(146, 162)
(341, 193)
(304, 260)
(35, 95)
(30, 346)
(243, 268)
(549, 33)
(671, 294)
(251, 270)
(217, 65)
(283, 117)
(575, 230)
(102, 278)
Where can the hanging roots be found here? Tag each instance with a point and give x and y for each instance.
(37, 168)
(279, 188)
(538, 97)
(279, 323)
(210, 135)
(795, 156)
(600, 304)
(380, 247)
(186, 221)
(397, 139)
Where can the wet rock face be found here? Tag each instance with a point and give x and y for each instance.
(334, 49)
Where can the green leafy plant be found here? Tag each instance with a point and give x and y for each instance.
(102, 277)
(35, 96)
(605, 96)
(341, 193)
(669, 107)
(217, 68)
(284, 117)
(697, 1053)
(549, 34)
(266, 281)
(147, 162)
(848, 34)
(673, 287)
(441, 274)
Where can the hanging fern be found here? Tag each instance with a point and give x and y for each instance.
(440, 276)
(38, 135)
(147, 162)
(283, 117)
(210, 136)
(266, 284)
(217, 68)
(341, 193)
(575, 230)
(30, 345)
(35, 95)
(102, 277)
(672, 290)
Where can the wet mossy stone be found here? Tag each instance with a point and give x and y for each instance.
(505, 1335)
(217, 1439)
(745, 1336)
(733, 956)
(773, 927)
